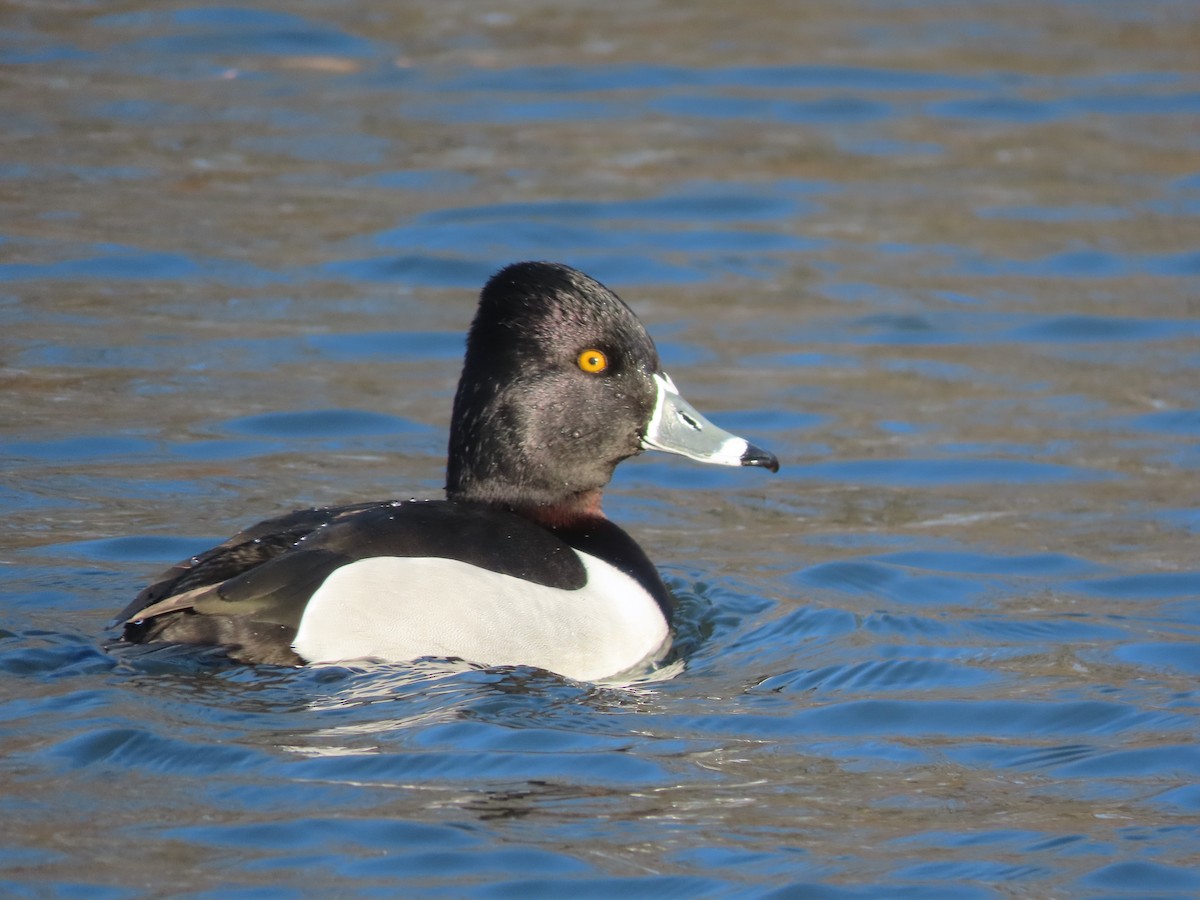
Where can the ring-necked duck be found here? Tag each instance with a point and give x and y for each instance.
(518, 565)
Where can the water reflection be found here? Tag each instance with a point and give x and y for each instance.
(943, 257)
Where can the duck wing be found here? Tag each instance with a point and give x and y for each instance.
(249, 593)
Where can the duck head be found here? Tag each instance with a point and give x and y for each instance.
(560, 383)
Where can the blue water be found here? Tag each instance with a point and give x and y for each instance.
(941, 259)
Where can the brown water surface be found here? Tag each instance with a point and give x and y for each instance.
(944, 259)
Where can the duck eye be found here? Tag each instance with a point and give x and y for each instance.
(593, 361)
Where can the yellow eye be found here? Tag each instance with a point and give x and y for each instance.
(593, 361)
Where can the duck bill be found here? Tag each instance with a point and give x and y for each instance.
(676, 427)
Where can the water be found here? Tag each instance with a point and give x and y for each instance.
(941, 258)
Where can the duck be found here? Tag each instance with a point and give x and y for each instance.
(518, 565)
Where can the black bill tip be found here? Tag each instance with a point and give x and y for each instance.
(756, 456)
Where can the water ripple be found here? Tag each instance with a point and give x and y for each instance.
(945, 269)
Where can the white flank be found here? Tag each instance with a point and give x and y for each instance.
(399, 609)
